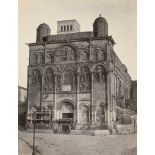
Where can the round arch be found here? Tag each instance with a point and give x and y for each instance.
(72, 46)
(48, 67)
(35, 68)
(65, 101)
(66, 109)
(84, 65)
(99, 64)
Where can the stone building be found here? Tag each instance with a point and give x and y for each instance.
(77, 75)
(22, 105)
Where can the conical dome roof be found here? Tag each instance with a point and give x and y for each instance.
(43, 26)
(100, 19)
(43, 30)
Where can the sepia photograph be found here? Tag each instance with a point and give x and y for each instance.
(77, 77)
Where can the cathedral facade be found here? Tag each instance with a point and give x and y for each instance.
(77, 75)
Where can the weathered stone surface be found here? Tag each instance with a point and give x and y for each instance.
(82, 70)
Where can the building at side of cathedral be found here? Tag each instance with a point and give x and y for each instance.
(77, 75)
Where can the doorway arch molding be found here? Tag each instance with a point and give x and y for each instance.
(65, 101)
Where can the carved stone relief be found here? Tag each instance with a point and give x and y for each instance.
(49, 81)
(65, 54)
(101, 52)
(94, 55)
(35, 77)
(85, 80)
(99, 74)
(83, 56)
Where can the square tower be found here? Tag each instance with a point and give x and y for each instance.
(68, 26)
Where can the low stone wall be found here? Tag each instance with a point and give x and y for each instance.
(90, 132)
(82, 132)
(125, 129)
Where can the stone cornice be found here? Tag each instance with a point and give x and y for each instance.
(109, 38)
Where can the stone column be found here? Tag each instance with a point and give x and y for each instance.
(28, 104)
(41, 90)
(91, 99)
(54, 97)
(110, 95)
(77, 98)
(114, 98)
(109, 100)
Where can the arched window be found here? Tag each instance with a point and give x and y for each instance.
(61, 28)
(67, 27)
(64, 28)
(68, 77)
(85, 80)
(68, 80)
(71, 27)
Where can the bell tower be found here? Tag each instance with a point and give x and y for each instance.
(68, 26)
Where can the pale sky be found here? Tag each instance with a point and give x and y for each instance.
(120, 15)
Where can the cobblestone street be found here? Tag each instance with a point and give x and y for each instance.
(57, 144)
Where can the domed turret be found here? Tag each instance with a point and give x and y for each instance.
(100, 27)
(43, 30)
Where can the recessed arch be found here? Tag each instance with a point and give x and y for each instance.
(99, 64)
(49, 67)
(73, 46)
(59, 105)
(65, 53)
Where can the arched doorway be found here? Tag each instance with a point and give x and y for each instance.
(66, 116)
(67, 110)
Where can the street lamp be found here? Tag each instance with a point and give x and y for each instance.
(34, 118)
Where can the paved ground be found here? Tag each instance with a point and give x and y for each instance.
(56, 144)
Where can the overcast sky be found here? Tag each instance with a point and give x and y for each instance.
(120, 15)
